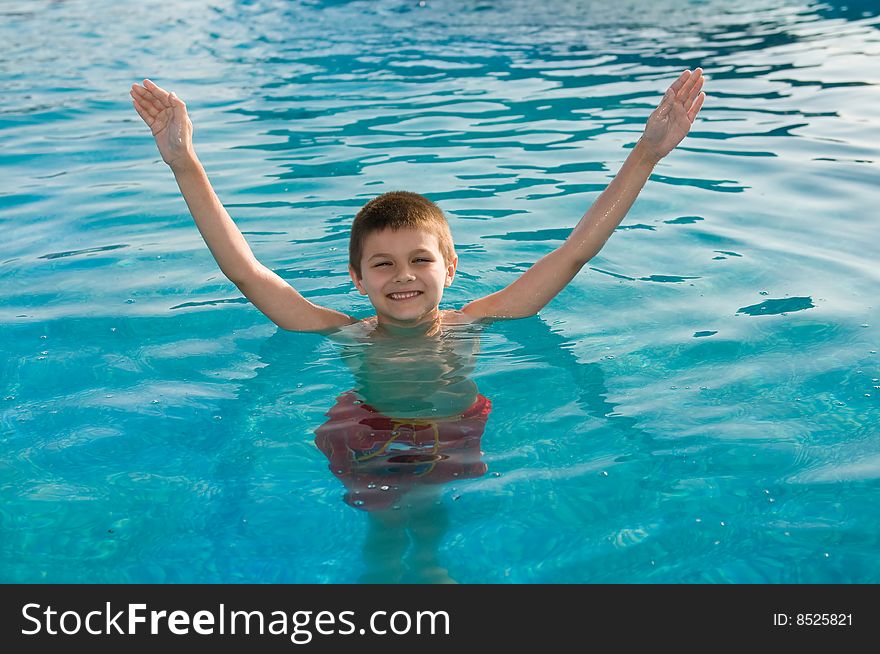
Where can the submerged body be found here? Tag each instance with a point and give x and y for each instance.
(415, 417)
(421, 372)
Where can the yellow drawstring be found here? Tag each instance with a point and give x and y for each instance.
(395, 430)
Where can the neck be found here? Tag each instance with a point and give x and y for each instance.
(427, 325)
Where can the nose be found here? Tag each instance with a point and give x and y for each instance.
(404, 275)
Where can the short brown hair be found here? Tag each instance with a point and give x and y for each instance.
(398, 210)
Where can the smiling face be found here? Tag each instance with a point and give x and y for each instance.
(404, 275)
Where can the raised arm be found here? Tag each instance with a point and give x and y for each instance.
(167, 118)
(666, 128)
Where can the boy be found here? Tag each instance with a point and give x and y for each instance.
(416, 417)
(389, 278)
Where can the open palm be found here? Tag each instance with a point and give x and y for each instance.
(166, 116)
(672, 119)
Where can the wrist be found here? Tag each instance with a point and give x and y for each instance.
(645, 154)
(184, 163)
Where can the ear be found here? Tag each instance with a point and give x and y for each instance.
(357, 282)
(450, 271)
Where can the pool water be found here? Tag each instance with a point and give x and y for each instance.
(701, 404)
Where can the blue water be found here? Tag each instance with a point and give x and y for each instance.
(701, 404)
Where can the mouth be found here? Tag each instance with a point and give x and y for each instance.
(404, 296)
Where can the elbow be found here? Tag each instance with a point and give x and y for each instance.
(577, 264)
(577, 257)
(241, 275)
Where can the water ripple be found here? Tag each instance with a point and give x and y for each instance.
(155, 427)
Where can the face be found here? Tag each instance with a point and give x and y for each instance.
(404, 276)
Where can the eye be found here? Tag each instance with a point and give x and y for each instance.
(428, 260)
(382, 263)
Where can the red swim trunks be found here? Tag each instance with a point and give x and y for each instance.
(379, 459)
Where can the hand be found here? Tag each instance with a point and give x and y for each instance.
(166, 116)
(672, 120)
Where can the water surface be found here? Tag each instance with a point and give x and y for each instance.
(699, 405)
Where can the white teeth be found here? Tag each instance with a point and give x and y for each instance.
(403, 296)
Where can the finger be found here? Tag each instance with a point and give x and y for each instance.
(147, 97)
(175, 101)
(151, 86)
(677, 84)
(143, 113)
(688, 86)
(694, 92)
(158, 92)
(143, 107)
(666, 103)
(695, 108)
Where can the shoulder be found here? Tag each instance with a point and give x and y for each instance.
(356, 330)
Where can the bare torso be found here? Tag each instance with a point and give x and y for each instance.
(413, 375)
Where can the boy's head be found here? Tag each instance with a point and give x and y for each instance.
(401, 244)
